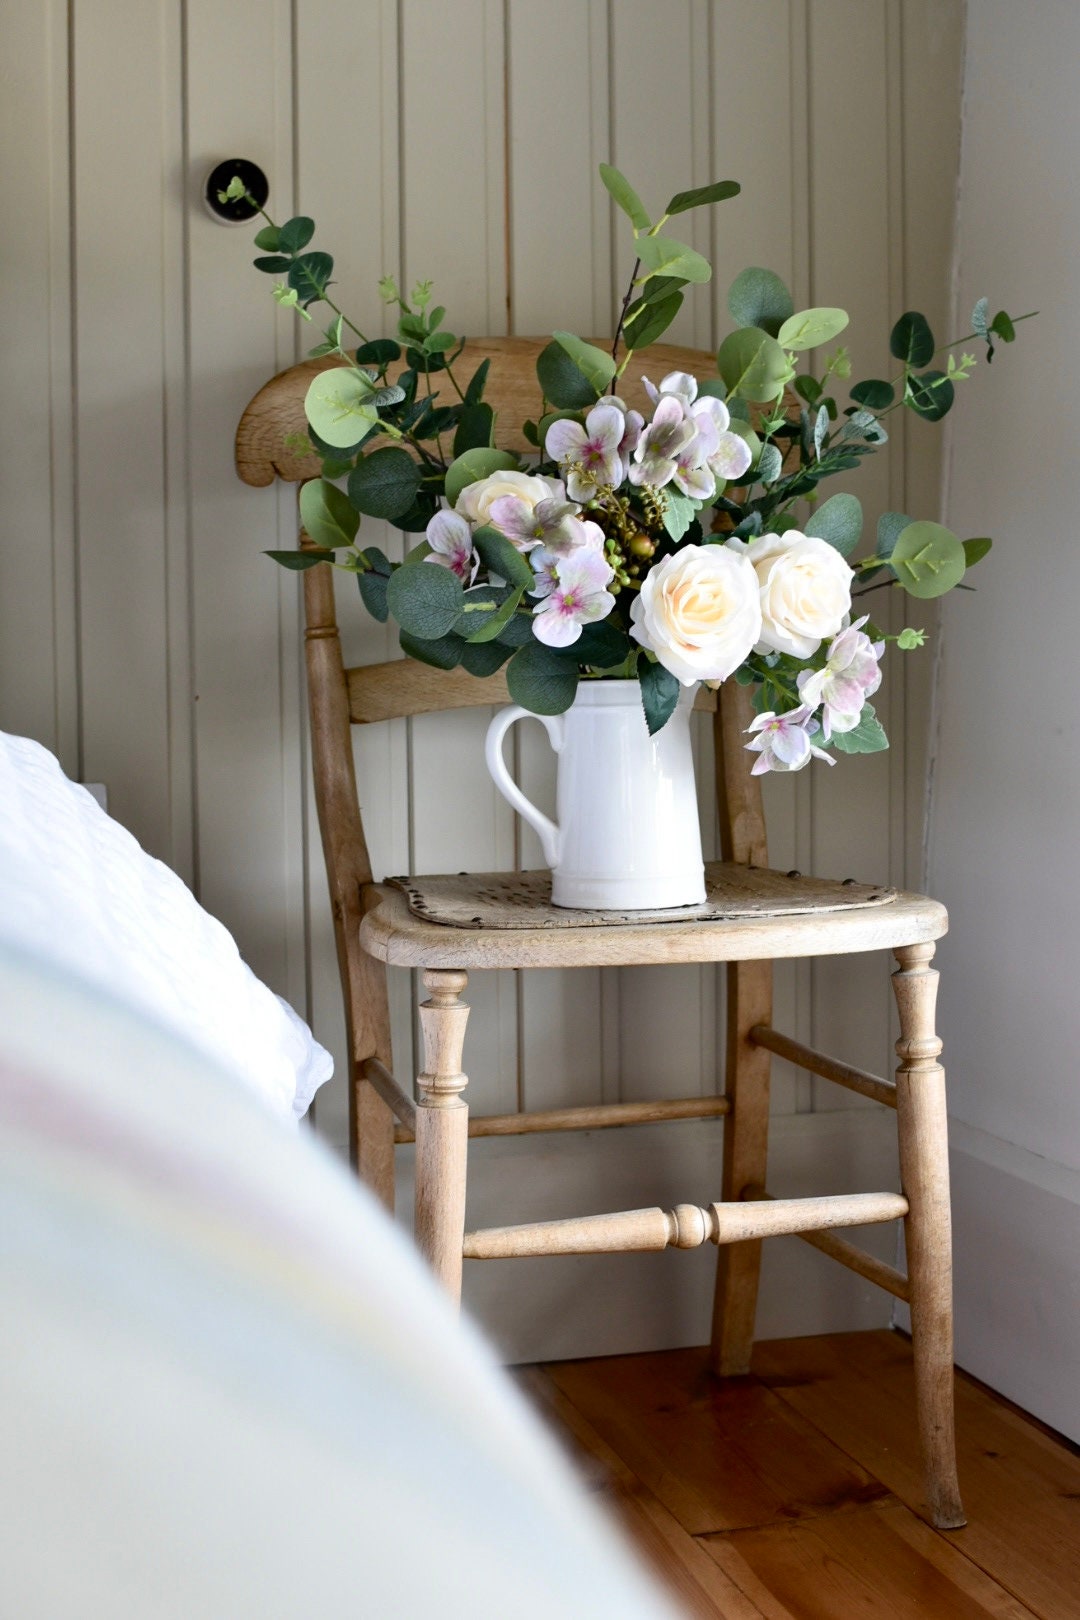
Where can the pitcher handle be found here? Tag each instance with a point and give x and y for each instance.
(555, 727)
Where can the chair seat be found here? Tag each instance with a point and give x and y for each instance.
(506, 920)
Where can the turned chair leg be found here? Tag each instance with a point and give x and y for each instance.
(442, 1128)
(924, 1175)
(746, 1140)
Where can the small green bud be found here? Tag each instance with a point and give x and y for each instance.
(909, 639)
(388, 290)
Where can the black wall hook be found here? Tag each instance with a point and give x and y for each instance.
(235, 211)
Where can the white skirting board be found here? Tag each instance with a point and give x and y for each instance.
(589, 1305)
(1016, 1244)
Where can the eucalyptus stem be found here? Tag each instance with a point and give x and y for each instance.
(622, 314)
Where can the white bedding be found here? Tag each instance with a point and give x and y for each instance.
(77, 890)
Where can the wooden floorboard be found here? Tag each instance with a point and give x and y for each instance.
(795, 1494)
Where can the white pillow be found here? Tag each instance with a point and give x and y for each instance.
(78, 890)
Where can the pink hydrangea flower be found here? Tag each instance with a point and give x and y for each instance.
(726, 454)
(450, 539)
(546, 559)
(782, 742)
(589, 456)
(851, 674)
(553, 523)
(668, 436)
(579, 596)
(635, 422)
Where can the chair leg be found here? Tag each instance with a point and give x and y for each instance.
(371, 1130)
(442, 1128)
(924, 1175)
(746, 1140)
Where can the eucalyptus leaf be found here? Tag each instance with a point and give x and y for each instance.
(838, 520)
(978, 315)
(482, 658)
(627, 198)
(928, 560)
(299, 560)
(868, 737)
(563, 382)
(660, 692)
(381, 352)
(890, 527)
(770, 464)
(663, 256)
(474, 393)
(874, 393)
(295, 234)
(273, 265)
(759, 298)
(327, 515)
(425, 600)
(930, 395)
(441, 652)
(718, 191)
(372, 584)
(652, 321)
(472, 466)
(540, 680)
(499, 556)
(267, 239)
(309, 276)
(475, 429)
(911, 339)
(811, 327)
(975, 550)
(821, 429)
(753, 364)
(1002, 325)
(384, 483)
(492, 624)
(596, 365)
(338, 406)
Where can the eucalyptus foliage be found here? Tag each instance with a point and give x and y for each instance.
(396, 432)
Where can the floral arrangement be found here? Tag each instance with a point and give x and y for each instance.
(669, 548)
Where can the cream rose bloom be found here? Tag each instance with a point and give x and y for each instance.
(699, 612)
(805, 590)
(475, 500)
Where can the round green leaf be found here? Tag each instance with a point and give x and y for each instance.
(663, 256)
(975, 550)
(384, 483)
(930, 395)
(911, 339)
(596, 365)
(753, 364)
(425, 600)
(875, 394)
(759, 298)
(928, 560)
(482, 658)
(474, 465)
(838, 520)
(327, 515)
(563, 382)
(338, 406)
(540, 680)
(296, 233)
(811, 327)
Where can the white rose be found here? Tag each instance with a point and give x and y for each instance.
(475, 500)
(699, 612)
(805, 591)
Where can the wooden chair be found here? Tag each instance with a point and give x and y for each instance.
(375, 927)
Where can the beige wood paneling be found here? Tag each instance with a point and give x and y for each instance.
(142, 634)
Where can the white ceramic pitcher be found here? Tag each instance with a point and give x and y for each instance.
(628, 836)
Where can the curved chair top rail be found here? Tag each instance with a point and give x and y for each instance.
(403, 687)
(265, 439)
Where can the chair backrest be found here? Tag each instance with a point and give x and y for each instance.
(339, 698)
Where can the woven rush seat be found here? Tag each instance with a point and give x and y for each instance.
(523, 899)
(507, 919)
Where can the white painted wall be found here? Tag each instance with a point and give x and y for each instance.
(143, 636)
(1006, 787)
